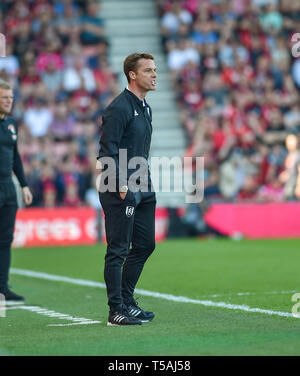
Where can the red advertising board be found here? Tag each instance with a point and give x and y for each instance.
(58, 226)
(257, 220)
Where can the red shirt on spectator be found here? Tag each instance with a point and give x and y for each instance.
(49, 57)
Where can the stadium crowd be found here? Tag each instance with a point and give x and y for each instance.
(238, 91)
(230, 62)
(57, 65)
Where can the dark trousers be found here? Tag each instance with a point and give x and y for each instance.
(8, 211)
(127, 222)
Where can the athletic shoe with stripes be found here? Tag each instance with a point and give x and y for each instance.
(11, 296)
(119, 319)
(135, 311)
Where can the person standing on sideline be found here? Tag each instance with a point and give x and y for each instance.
(129, 212)
(10, 161)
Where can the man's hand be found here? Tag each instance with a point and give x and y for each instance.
(27, 195)
(123, 191)
(123, 195)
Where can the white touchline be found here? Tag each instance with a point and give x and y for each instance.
(51, 313)
(13, 303)
(77, 323)
(251, 293)
(153, 294)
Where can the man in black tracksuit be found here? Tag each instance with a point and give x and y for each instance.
(128, 204)
(10, 162)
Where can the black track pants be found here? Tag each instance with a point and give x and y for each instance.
(8, 210)
(127, 222)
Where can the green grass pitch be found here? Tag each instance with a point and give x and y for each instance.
(262, 274)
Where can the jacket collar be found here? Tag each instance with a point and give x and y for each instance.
(141, 103)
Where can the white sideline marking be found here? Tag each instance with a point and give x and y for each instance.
(77, 323)
(51, 313)
(56, 278)
(179, 299)
(251, 293)
(13, 303)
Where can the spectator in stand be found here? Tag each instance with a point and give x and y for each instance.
(78, 76)
(296, 72)
(50, 55)
(290, 175)
(231, 177)
(68, 21)
(33, 170)
(173, 17)
(71, 196)
(52, 78)
(248, 190)
(9, 63)
(49, 196)
(180, 55)
(270, 19)
(30, 81)
(272, 191)
(203, 33)
(105, 79)
(92, 27)
(291, 119)
(191, 96)
(63, 123)
(38, 118)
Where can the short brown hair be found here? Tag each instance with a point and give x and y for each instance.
(131, 62)
(5, 85)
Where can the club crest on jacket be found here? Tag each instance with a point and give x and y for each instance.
(12, 129)
(129, 211)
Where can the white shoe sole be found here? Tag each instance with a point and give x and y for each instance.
(111, 324)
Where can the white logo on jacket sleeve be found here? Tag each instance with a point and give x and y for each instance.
(135, 113)
(129, 211)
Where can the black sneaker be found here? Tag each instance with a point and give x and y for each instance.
(135, 311)
(120, 319)
(9, 295)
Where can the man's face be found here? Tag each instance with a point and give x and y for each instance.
(145, 76)
(6, 101)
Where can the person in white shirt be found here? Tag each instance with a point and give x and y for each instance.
(78, 76)
(38, 118)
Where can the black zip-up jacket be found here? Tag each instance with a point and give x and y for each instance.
(127, 124)
(10, 160)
